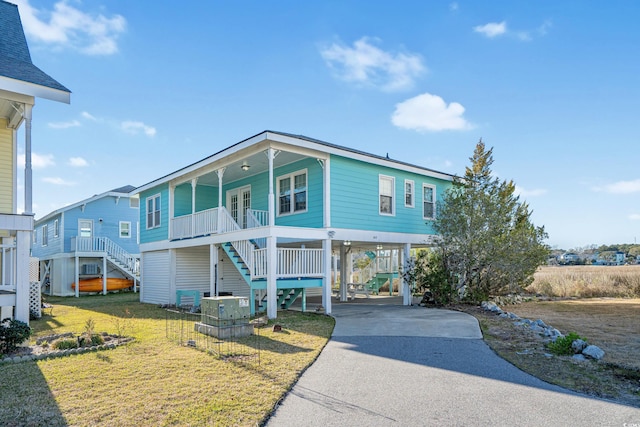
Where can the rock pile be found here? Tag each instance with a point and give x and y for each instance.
(581, 349)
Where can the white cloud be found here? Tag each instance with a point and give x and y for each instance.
(134, 128)
(520, 191)
(78, 162)
(68, 27)
(542, 29)
(64, 125)
(428, 112)
(369, 65)
(453, 6)
(38, 161)
(88, 116)
(492, 29)
(620, 187)
(57, 181)
(634, 217)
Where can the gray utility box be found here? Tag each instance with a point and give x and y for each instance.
(225, 311)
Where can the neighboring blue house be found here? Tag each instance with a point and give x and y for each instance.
(96, 238)
(21, 82)
(263, 218)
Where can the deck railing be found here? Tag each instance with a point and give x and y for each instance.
(205, 222)
(8, 267)
(112, 249)
(291, 263)
(256, 218)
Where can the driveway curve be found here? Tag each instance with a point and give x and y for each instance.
(391, 365)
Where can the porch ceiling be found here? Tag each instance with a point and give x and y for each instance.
(257, 163)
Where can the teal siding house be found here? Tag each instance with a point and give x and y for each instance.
(269, 217)
(93, 241)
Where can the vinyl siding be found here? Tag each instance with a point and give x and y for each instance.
(7, 167)
(355, 198)
(313, 216)
(229, 279)
(192, 269)
(206, 198)
(159, 233)
(155, 277)
(55, 244)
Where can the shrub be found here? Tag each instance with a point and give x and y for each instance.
(64, 344)
(562, 346)
(12, 333)
(90, 340)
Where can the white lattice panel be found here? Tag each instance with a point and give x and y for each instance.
(34, 269)
(35, 304)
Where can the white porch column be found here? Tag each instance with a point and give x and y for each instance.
(77, 273)
(400, 271)
(28, 175)
(406, 292)
(334, 260)
(220, 173)
(272, 287)
(23, 241)
(343, 272)
(104, 275)
(213, 270)
(326, 283)
(194, 184)
(272, 198)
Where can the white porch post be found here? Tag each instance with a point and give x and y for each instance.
(272, 199)
(194, 184)
(326, 283)
(220, 173)
(104, 275)
(400, 271)
(28, 175)
(23, 241)
(213, 263)
(406, 293)
(272, 287)
(343, 272)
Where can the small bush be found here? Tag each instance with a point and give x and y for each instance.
(562, 346)
(12, 334)
(64, 344)
(91, 340)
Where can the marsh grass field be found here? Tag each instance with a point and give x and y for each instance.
(587, 281)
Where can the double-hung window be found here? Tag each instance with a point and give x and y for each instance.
(125, 229)
(386, 187)
(56, 228)
(428, 201)
(292, 193)
(45, 235)
(153, 211)
(409, 193)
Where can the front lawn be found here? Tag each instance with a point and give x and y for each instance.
(152, 381)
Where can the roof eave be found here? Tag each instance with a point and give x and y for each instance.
(35, 90)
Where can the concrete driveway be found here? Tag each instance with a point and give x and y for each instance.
(410, 366)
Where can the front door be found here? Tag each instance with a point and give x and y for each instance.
(238, 202)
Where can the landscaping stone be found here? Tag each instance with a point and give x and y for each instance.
(594, 352)
(578, 346)
(579, 357)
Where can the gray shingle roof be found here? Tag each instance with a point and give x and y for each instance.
(15, 60)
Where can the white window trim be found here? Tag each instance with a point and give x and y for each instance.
(56, 228)
(45, 237)
(146, 211)
(413, 193)
(433, 201)
(120, 229)
(131, 205)
(291, 177)
(393, 194)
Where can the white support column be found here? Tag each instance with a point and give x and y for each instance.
(406, 296)
(326, 283)
(28, 175)
(400, 271)
(272, 198)
(334, 260)
(104, 275)
(343, 272)
(213, 264)
(23, 240)
(349, 276)
(194, 185)
(77, 273)
(220, 173)
(272, 287)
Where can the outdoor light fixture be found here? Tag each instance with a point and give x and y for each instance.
(347, 242)
(245, 167)
(379, 247)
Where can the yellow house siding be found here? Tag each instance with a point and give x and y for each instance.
(7, 166)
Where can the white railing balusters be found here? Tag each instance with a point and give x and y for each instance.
(129, 262)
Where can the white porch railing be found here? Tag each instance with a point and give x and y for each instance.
(115, 252)
(8, 267)
(192, 225)
(256, 218)
(291, 263)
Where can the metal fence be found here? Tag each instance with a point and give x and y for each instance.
(181, 329)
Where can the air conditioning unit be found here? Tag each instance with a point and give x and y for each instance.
(90, 269)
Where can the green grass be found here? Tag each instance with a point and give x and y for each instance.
(152, 381)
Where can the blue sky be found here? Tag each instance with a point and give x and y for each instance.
(553, 86)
